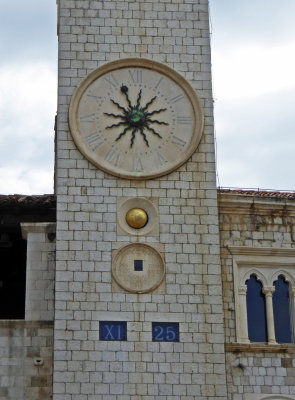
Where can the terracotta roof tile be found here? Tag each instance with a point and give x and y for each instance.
(47, 200)
(259, 193)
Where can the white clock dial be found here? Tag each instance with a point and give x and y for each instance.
(135, 118)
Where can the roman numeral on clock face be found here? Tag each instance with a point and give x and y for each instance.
(160, 158)
(183, 120)
(178, 142)
(137, 164)
(90, 94)
(89, 118)
(159, 82)
(135, 75)
(94, 140)
(111, 80)
(112, 157)
(177, 98)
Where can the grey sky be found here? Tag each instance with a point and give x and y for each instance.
(28, 46)
(27, 30)
(267, 21)
(253, 57)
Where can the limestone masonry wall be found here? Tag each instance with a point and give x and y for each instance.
(22, 375)
(260, 373)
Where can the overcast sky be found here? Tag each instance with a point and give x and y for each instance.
(253, 57)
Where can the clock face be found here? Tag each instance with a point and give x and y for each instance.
(136, 118)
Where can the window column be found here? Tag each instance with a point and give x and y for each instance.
(268, 291)
(243, 314)
(292, 295)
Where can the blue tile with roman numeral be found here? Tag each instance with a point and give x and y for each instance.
(113, 330)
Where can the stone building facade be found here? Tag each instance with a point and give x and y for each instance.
(83, 331)
(257, 235)
(259, 223)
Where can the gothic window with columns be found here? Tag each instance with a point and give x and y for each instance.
(264, 282)
(256, 310)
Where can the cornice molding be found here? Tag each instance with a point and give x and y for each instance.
(243, 204)
(37, 227)
(261, 251)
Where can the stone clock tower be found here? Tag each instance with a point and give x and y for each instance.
(138, 306)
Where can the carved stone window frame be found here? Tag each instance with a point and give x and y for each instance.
(267, 263)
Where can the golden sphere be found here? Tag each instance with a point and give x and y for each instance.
(136, 218)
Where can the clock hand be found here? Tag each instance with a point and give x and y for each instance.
(152, 130)
(124, 89)
(155, 121)
(114, 115)
(156, 112)
(123, 133)
(144, 137)
(133, 137)
(149, 103)
(115, 125)
(138, 99)
(118, 105)
(135, 118)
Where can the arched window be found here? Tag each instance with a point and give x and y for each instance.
(281, 310)
(264, 284)
(256, 312)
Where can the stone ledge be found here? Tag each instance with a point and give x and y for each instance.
(20, 323)
(260, 348)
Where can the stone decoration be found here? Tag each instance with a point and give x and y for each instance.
(138, 268)
(136, 218)
(150, 206)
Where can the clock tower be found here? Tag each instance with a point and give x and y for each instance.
(138, 306)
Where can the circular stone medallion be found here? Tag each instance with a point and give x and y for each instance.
(138, 268)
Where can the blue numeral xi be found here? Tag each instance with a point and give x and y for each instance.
(112, 330)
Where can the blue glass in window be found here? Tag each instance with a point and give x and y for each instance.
(165, 331)
(112, 330)
(256, 313)
(281, 310)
